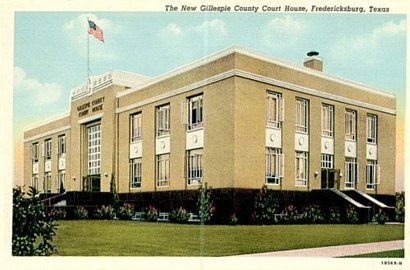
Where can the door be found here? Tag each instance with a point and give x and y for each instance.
(330, 178)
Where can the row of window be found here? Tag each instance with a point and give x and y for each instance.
(35, 153)
(194, 171)
(191, 116)
(275, 116)
(274, 168)
(46, 187)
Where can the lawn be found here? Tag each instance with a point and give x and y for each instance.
(384, 254)
(130, 238)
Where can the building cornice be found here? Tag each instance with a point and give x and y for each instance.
(46, 134)
(259, 78)
(246, 52)
(47, 121)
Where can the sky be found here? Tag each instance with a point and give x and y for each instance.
(50, 52)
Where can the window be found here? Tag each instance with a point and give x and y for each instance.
(274, 110)
(302, 115)
(94, 149)
(350, 173)
(163, 116)
(136, 127)
(301, 168)
(47, 149)
(162, 171)
(327, 120)
(194, 109)
(327, 161)
(195, 166)
(60, 181)
(350, 125)
(135, 172)
(34, 181)
(47, 182)
(371, 174)
(274, 165)
(61, 145)
(371, 128)
(34, 152)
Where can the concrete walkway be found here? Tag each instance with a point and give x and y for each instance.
(334, 251)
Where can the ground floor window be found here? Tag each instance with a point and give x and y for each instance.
(47, 182)
(274, 165)
(327, 161)
(162, 170)
(135, 172)
(301, 168)
(371, 174)
(34, 181)
(195, 166)
(60, 181)
(350, 172)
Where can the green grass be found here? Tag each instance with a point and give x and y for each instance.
(129, 238)
(384, 254)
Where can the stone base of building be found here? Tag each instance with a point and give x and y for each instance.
(227, 201)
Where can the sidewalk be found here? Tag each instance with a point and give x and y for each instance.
(334, 251)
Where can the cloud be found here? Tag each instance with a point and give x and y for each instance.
(374, 46)
(76, 32)
(171, 30)
(41, 93)
(283, 32)
(215, 26)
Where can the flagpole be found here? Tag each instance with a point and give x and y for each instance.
(88, 51)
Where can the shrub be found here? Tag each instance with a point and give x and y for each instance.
(400, 206)
(312, 214)
(334, 215)
(57, 213)
(80, 213)
(179, 215)
(351, 215)
(33, 230)
(105, 212)
(290, 215)
(233, 220)
(380, 217)
(151, 213)
(206, 205)
(265, 207)
(126, 211)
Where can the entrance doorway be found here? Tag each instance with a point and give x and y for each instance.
(91, 183)
(330, 178)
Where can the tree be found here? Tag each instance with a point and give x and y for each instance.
(33, 229)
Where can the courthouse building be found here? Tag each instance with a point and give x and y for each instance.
(236, 120)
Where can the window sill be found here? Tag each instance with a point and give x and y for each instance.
(163, 136)
(194, 129)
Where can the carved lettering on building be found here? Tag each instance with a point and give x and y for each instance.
(91, 106)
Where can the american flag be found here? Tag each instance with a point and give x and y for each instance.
(96, 31)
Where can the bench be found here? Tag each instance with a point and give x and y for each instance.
(163, 216)
(138, 216)
(194, 218)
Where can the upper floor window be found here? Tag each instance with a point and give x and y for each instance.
(302, 115)
(162, 170)
(61, 145)
(163, 124)
(327, 120)
(350, 172)
(34, 152)
(47, 149)
(193, 112)
(135, 172)
(136, 127)
(371, 128)
(274, 109)
(350, 125)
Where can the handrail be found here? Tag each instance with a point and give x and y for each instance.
(53, 197)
